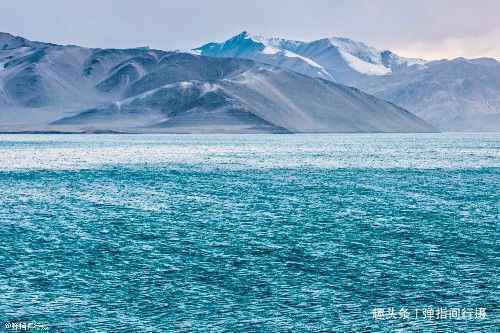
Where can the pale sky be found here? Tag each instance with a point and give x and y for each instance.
(417, 28)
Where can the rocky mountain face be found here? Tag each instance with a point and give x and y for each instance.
(69, 88)
(457, 95)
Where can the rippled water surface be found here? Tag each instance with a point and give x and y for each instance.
(267, 233)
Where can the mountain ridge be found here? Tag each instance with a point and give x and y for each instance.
(356, 55)
(47, 86)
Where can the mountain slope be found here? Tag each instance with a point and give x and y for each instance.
(69, 88)
(258, 98)
(458, 94)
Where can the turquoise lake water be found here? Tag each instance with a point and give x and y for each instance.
(250, 233)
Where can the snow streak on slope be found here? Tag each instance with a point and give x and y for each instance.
(364, 67)
(360, 57)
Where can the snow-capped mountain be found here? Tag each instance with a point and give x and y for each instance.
(458, 94)
(268, 51)
(337, 59)
(69, 88)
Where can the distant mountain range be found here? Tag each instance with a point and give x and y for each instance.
(245, 84)
(458, 94)
(48, 87)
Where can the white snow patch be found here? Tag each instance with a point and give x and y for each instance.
(208, 87)
(290, 54)
(360, 57)
(185, 84)
(270, 50)
(119, 105)
(205, 87)
(148, 93)
(357, 49)
(364, 67)
(140, 70)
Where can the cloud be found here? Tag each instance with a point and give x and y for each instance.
(453, 47)
(424, 28)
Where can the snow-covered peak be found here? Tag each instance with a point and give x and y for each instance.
(357, 55)
(247, 35)
(357, 49)
(369, 60)
(242, 35)
(327, 58)
(273, 51)
(245, 38)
